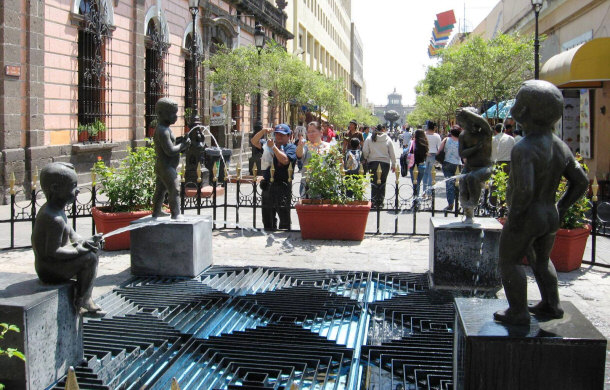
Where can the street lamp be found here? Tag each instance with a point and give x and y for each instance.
(259, 42)
(195, 57)
(537, 6)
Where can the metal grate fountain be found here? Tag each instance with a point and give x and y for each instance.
(271, 328)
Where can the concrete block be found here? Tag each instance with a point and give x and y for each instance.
(171, 248)
(464, 256)
(51, 331)
(548, 354)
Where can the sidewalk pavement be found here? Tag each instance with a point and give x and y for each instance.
(588, 288)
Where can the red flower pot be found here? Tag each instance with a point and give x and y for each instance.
(333, 221)
(569, 248)
(106, 222)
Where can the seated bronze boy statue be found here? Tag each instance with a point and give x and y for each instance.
(61, 254)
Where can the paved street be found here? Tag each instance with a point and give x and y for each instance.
(588, 288)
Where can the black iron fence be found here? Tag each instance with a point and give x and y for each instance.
(237, 204)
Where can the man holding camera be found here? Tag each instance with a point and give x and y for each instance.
(276, 193)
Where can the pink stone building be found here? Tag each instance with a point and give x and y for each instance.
(100, 65)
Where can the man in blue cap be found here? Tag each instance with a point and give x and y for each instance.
(277, 194)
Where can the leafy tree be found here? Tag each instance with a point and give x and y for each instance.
(279, 77)
(236, 71)
(283, 76)
(473, 73)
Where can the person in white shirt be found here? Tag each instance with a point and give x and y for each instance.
(406, 137)
(434, 142)
(378, 151)
(518, 134)
(501, 146)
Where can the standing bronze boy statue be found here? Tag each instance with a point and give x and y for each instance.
(538, 162)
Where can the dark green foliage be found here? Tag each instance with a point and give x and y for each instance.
(131, 185)
(327, 179)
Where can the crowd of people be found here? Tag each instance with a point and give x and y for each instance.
(425, 147)
(365, 149)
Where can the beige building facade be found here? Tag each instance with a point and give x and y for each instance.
(574, 56)
(322, 32)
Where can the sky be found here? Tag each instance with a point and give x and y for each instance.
(395, 36)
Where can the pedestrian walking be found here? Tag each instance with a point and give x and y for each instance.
(434, 142)
(353, 156)
(501, 146)
(378, 151)
(419, 148)
(365, 132)
(328, 134)
(352, 133)
(406, 137)
(451, 146)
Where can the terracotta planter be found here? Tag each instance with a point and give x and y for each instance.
(106, 222)
(333, 221)
(569, 248)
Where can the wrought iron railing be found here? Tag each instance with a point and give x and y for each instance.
(237, 204)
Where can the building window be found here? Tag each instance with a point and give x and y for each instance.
(155, 74)
(94, 48)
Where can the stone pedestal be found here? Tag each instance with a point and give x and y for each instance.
(561, 354)
(464, 256)
(171, 248)
(51, 331)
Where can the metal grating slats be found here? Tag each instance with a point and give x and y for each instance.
(271, 328)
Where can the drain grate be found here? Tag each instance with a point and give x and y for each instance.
(410, 343)
(276, 356)
(272, 328)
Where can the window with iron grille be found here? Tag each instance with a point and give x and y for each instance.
(94, 76)
(156, 73)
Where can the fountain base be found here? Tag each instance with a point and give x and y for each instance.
(565, 353)
(464, 256)
(171, 247)
(51, 333)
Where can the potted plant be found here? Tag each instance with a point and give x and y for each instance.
(151, 128)
(498, 184)
(129, 189)
(337, 209)
(91, 131)
(571, 239)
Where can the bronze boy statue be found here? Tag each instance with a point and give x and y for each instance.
(475, 149)
(538, 162)
(61, 254)
(168, 158)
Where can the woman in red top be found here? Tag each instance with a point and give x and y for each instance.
(327, 133)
